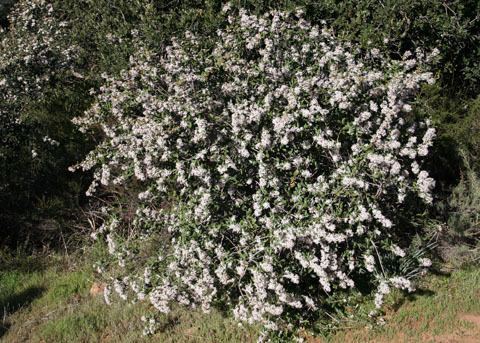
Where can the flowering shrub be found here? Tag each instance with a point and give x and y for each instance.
(278, 164)
(34, 50)
(35, 54)
(51, 54)
(30, 54)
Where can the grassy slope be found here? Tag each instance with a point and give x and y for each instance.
(446, 308)
(50, 302)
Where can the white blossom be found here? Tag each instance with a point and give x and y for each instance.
(263, 173)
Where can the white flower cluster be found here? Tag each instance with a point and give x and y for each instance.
(35, 51)
(276, 160)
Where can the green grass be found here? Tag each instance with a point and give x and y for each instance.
(53, 304)
(48, 300)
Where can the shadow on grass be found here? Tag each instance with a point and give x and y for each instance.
(419, 293)
(23, 264)
(439, 272)
(4, 328)
(12, 303)
(170, 324)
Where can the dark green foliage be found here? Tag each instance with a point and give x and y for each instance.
(5, 6)
(457, 119)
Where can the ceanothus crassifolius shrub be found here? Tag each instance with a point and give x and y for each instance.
(35, 55)
(277, 163)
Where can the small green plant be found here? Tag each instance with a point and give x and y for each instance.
(461, 241)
